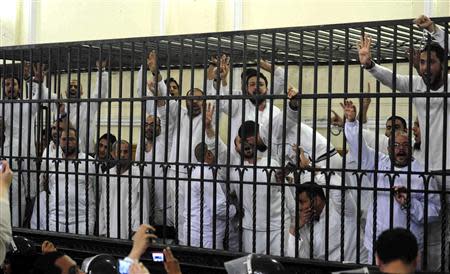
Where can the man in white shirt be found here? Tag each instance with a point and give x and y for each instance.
(116, 218)
(86, 125)
(405, 201)
(72, 192)
(6, 176)
(201, 201)
(417, 148)
(256, 186)
(431, 118)
(313, 212)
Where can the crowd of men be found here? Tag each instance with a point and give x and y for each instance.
(262, 192)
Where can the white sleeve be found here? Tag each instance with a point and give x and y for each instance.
(278, 80)
(439, 36)
(5, 228)
(367, 153)
(384, 75)
(102, 210)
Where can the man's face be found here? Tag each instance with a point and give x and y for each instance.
(174, 91)
(398, 126)
(195, 106)
(12, 90)
(122, 156)
(67, 265)
(149, 127)
(435, 75)
(306, 203)
(103, 149)
(400, 153)
(73, 90)
(416, 132)
(248, 147)
(57, 128)
(68, 142)
(256, 88)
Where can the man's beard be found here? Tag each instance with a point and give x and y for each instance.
(123, 164)
(149, 135)
(416, 146)
(257, 101)
(193, 112)
(69, 150)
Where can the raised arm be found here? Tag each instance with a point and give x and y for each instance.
(278, 75)
(352, 133)
(429, 27)
(382, 74)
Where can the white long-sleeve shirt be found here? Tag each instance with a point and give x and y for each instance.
(334, 229)
(120, 216)
(209, 200)
(5, 227)
(262, 188)
(436, 114)
(383, 197)
(86, 122)
(85, 177)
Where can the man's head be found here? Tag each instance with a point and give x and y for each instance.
(68, 141)
(73, 90)
(400, 149)
(203, 154)
(174, 88)
(152, 127)
(256, 86)
(195, 106)
(311, 197)
(12, 88)
(416, 132)
(104, 145)
(59, 125)
(121, 153)
(434, 77)
(249, 138)
(56, 263)
(394, 123)
(396, 251)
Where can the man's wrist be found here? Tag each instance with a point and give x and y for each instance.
(368, 66)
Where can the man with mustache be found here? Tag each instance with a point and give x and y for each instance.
(405, 201)
(75, 109)
(124, 180)
(71, 187)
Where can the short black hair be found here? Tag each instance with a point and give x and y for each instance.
(395, 117)
(171, 79)
(11, 76)
(109, 137)
(200, 151)
(396, 244)
(253, 73)
(248, 129)
(435, 47)
(248, 71)
(46, 263)
(311, 189)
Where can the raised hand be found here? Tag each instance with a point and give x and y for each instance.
(265, 65)
(100, 64)
(365, 57)
(209, 115)
(415, 58)
(349, 110)
(224, 67)
(423, 22)
(39, 72)
(141, 241)
(48, 247)
(211, 71)
(151, 62)
(171, 263)
(336, 120)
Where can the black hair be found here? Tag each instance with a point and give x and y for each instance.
(46, 263)
(171, 79)
(435, 47)
(11, 76)
(395, 117)
(200, 152)
(396, 244)
(311, 189)
(252, 73)
(109, 137)
(248, 129)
